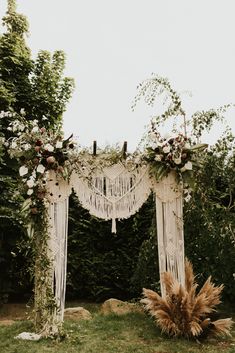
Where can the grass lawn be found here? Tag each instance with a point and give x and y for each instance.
(130, 333)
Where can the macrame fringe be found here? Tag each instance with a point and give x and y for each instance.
(169, 214)
(109, 196)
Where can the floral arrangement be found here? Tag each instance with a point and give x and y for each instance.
(39, 151)
(172, 152)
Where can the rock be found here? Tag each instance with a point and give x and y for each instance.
(28, 336)
(77, 313)
(119, 307)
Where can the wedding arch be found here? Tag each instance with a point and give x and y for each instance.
(110, 184)
(112, 193)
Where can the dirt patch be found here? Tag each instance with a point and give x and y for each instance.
(6, 322)
(14, 311)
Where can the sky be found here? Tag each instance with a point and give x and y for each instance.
(113, 45)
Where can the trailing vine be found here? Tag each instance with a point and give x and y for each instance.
(155, 87)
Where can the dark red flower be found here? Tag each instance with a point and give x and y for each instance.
(38, 143)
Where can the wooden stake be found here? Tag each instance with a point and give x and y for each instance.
(124, 149)
(94, 148)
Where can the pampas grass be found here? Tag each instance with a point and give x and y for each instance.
(185, 311)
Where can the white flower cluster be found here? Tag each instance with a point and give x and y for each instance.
(4, 114)
(40, 151)
(173, 150)
(32, 180)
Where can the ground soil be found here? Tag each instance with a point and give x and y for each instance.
(11, 312)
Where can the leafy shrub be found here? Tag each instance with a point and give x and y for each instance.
(100, 264)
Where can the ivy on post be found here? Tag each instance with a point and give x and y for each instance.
(44, 300)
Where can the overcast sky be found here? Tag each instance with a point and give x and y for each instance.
(111, 46)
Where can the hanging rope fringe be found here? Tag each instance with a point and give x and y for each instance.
(115, 193)
(58, 191)
(169, 214)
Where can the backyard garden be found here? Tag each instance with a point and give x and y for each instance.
(102, 250)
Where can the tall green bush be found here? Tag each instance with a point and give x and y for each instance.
(210, 217)
(101, 264)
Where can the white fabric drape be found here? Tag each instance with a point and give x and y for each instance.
(169, 214)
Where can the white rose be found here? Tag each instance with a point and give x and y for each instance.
(35, 129)
(59, 144)
(21, 127)
(40, 168)
(158, 158)
(154, 144)
(177, 160)
(14, 144)
(30, 183)
(26, 146)
(166, 149)
(23, 170)
(15, 127)
(30, 192)
(188, 165)
(187, 198)
(49, 147)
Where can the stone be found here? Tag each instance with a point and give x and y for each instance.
(119, 307)
(77, 313)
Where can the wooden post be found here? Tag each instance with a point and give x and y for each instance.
(124, 149)
(94, 148)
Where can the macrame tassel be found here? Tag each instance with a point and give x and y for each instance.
(114, 229)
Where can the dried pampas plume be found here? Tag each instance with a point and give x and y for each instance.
(184, 311)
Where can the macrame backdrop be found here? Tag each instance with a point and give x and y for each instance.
(115, 193)
(169, 213)
(58, 197)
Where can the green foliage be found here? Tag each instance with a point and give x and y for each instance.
(146, 273)
(155, 87)
(51, 91)
(37, 87)
(13, 281)
(210, 217)
(15, 62)
(204, 120)
(100, 265)
(38, 90)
